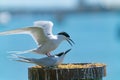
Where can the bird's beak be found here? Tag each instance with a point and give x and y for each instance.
(63, 53)
(70, 41)
(67, 51)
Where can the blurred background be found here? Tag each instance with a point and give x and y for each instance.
(94, 25)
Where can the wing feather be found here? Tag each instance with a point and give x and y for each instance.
(36, 32)
(46, 26)
(40, 32)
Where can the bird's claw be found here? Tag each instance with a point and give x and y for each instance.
(48, 54)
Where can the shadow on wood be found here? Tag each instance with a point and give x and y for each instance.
(75, 71)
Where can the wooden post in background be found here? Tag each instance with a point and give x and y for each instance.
(75, 71)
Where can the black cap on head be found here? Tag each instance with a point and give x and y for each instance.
(64, 33)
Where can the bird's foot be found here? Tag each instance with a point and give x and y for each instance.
(48, 54)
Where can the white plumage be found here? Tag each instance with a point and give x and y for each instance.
(42, 34)
(46, 61)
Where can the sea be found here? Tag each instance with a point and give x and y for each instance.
(96, 36)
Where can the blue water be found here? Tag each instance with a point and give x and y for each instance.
(95, 35)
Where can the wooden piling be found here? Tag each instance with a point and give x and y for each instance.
(75, 71)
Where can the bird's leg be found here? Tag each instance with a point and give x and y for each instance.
(48, 54)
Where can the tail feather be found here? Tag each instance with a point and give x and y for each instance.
(21, 58)
(26, 61)
(22, 52)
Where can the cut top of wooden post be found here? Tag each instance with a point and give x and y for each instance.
(68, 72)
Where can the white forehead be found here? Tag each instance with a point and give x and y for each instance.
(43, 23)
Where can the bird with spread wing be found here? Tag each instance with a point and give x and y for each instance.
(42, 34)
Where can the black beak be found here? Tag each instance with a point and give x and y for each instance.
(67, 51)
(63, 53)
(70, 41)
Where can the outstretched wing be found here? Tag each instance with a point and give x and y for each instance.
(46, 26)
(40, 32)
(36, 32)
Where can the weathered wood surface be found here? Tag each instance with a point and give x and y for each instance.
(78, 71)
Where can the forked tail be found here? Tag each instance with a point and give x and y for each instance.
(22, 52)
(20, 58)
